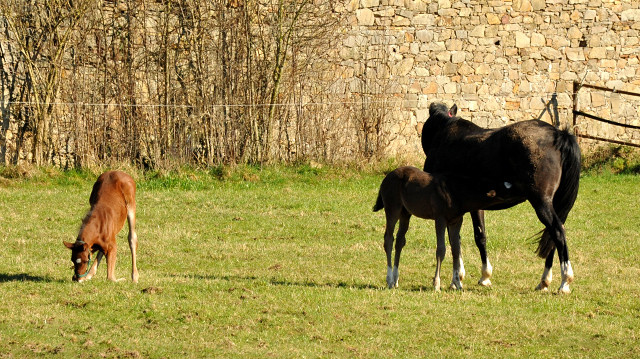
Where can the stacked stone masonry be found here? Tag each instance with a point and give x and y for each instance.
(498, 60)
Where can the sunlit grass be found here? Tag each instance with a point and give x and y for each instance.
(288, 262)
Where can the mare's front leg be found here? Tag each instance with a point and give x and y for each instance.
(477, 217)
(454, 240)
(441, 250)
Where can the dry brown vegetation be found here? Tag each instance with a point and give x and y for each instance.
(164, 83)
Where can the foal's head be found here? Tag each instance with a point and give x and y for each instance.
(81, 258)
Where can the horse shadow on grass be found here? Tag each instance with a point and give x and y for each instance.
(25, 277)
(285, 282)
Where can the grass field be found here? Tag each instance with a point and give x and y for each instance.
(287, 262)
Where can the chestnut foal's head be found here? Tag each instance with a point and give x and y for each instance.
(81, 258)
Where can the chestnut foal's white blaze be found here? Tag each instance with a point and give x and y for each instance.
(112, 201)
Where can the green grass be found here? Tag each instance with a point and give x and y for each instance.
(288, 262)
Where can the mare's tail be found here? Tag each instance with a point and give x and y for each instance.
(379, 204)
(567, 191)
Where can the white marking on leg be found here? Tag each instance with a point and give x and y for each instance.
(390, 283)
(547, 275)
(455, 281)
(396, 276)
(566, 272)
(487, 271)
(462, 273)
(507, 185)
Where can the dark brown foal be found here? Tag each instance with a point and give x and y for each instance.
(409, 191)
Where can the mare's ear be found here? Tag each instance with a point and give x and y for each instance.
(68, 245)
(453, 110)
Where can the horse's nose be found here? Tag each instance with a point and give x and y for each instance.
(74, 278)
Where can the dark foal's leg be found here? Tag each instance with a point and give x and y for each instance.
(453, 228)
(392, 219)
(405, 217)
(441, 250)
(548, 217)
(481, 242)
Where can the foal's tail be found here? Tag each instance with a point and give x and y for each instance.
(567, 191)
(379, 204)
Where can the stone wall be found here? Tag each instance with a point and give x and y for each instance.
(368, 97)
(498, 60)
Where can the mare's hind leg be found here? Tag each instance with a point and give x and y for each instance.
(548, 217)
(481, 242)
(546, 275)
(454, 240)
(441, 250)
(401, 240)
(133, 241)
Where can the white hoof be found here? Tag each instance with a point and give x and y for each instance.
(485, 282)
(566, 272)
(487, 270)
(543, 287)
(436, 284)
(564, 289)
(545, 281)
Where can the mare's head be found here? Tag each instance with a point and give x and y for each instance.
(439, 116)
(80, 256)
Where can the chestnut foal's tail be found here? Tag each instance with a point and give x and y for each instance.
(379, 204)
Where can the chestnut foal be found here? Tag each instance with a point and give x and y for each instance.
(409, 191)
(112, 199)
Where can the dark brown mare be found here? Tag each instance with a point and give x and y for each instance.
(409, 191)
(540, 162)
(112, 200)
